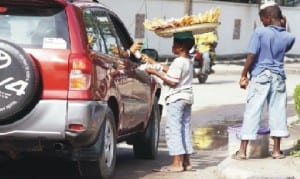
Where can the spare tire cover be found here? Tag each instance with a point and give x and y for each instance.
(19, 82)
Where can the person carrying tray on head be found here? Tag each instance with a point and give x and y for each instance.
(177, 79)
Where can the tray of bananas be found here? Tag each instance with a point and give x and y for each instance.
(198, 24)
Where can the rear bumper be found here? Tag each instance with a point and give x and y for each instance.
(50, 119)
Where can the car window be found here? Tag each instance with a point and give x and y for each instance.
(100, 34)
(122, 32)
(123, 35)
(95, 39)
(35, 27)
(108, 32)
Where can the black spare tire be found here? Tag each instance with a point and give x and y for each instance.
(19, 82)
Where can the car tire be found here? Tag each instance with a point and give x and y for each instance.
(19, 82)
(145, 145)
(105, 165)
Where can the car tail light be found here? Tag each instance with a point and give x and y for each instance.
(76, 127)
(3, 9)
(80, 73)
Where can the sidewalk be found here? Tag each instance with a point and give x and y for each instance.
(266, 168)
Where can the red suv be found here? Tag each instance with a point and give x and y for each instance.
(60, 92)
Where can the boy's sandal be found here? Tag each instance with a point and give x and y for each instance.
(168, 169)
(238, 156)
(278, 156)
(188, 168)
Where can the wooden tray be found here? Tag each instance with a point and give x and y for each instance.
(195, 28)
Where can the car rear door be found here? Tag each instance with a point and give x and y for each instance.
(140, 80)
(104, 40)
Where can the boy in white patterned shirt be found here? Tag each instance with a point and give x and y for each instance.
(179, 99)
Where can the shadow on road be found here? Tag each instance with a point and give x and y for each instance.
(38, 168)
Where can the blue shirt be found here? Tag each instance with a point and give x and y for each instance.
(269, 45)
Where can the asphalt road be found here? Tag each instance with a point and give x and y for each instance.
(218, 104)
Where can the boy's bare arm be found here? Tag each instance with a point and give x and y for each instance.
(244, 81)
(161, 76)
(147, 59)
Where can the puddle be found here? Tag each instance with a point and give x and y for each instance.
(211, 136)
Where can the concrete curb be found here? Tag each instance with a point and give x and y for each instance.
(256, 169)
(266, 168)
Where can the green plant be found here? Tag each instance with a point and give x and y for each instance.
(295, 152)
(297, 99)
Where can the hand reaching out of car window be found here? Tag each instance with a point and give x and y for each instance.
(136, 46)
(146, 59)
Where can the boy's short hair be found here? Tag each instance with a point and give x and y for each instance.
(187, 44)
(271, 11)
(184, 39)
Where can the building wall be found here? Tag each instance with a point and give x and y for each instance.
(230, 12)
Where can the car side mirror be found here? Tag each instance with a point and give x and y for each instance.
(151, 53)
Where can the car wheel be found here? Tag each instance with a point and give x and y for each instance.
(202, 78)
(145, 146)
(19, 82)
(105, 165)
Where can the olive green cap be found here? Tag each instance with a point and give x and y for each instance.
(184, 35)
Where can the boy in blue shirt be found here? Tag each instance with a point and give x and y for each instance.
(265, 66)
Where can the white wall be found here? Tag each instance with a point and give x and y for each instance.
(248, 13)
